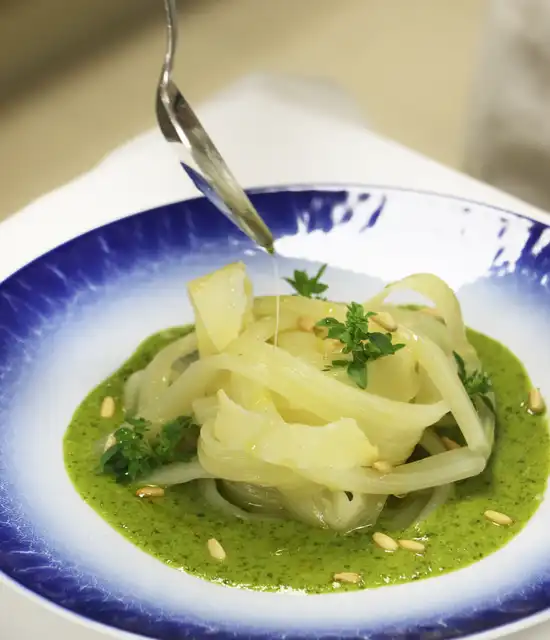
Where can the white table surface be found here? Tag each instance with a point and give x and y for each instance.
(272, 130)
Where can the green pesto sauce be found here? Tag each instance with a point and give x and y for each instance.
(275, 555)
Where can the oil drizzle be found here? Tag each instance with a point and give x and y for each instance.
(277, 297)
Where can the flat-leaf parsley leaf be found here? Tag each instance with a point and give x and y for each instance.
(363, 345)
(134, 455)
(477, 383)
(306, 286)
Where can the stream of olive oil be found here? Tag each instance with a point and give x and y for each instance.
(277, 282)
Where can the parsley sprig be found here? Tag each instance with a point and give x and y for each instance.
(363, 345)
(134, 455)
(477, 383)
(306, 286)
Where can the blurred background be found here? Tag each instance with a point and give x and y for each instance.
(78, 78)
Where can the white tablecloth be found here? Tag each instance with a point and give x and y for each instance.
(272, 130)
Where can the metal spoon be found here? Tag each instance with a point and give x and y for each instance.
(196, 151)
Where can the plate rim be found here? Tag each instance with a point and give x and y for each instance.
(18, 223)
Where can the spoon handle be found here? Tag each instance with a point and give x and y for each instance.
(197, 153)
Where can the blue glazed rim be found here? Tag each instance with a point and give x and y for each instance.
(155, 231)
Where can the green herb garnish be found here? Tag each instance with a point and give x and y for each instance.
(363, 345)
(306, 286)
(134, 455)
(477, 383)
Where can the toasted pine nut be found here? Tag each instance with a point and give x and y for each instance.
(107, 407)
(383, 466)
(498, 518)
(450, 444)
(536, 402)
(110, 442)
(347, 576)
(385, 542)
(216, 550)
(412, 545)
(150, 492)
(305, 323)
(385, 320)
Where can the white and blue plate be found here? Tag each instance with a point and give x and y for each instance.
(71, 317)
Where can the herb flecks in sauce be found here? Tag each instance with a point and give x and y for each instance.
(275, 555)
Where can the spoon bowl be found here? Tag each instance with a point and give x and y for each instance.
(197, 153)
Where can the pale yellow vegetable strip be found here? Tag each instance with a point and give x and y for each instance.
(177, 473)
(309, 388)
(318, 506)
(305, 505)
(444, 299)
(340, 444)
(300, 306)
(204, 374)
(321, 507)
(259, 499)
(178, 399)
(342, 514)
(156, 375)
(394, 377)
(291, 414)
(487, 418)
(204, 409)
(393, 426)
(434, 446)
(209, 490)
(447, 382)
(222, 302)
(434, 471)
(240, 466)
(132, 392)
(306, 346)
(251, 396)
(421, 323)
(261, 331)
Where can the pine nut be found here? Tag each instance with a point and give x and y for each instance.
(382, 466)
(107, 407)
(450, 444)
(412, 545)
(216, 550)
(385, 542)
(110, 442)
(385, 320)
(347, 576)
(498, 518)
(150, 492)
(305, 323)
(536, 402)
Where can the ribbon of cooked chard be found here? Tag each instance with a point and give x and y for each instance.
(133, 454)
(363, 345)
